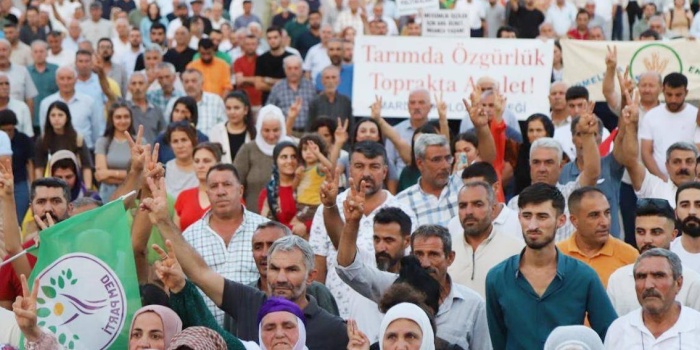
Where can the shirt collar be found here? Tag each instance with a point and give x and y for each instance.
(607, 249)
(311, 308)
(502, 216)
(561, 273)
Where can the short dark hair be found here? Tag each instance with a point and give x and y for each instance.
(8, 117)
(506, 29)
(575, 197)
(50, 182)
(105, 39)
(539, 193)
(274, 224)
(576, 92)
(481, 169)
(205, 43)
(369, 149)
(650, 34)
(320, 122)
(468, 136)
(65, 163)
(583, 12)
(274, 29)
(156, 25)
(655, 207)
(225, 167)
(686, 186)
(82, 52)
(675, 80)
(388, 215)
(315, 12)
(184, 126)
(427, 231)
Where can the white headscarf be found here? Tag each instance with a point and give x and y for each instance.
(301, 341)
(410, 312)
(573, 337)
(269, 112)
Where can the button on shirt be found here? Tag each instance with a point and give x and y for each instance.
(87, 115)
(623, 296)
(431, 210)
(629, 332)
(151, 119)
(470, 268)
(461, 318)
(506, 223)
(519, 318)
(613, 255)
(45, 83)
(235, 261)
(316, 60)
(283, 96)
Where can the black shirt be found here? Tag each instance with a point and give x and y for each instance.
(527, 22)
(179, 59)
(305, 41)
(269, 66)
(235, 141)
(27, 35)
(22, 152)
(279, 20)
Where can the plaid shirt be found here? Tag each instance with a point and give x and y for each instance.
(234, 262)
(158, 99)
(568, 229)
(429, 209)
(211, 111)
(283, 97)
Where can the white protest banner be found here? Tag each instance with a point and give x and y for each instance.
(446, 23)
(411, 7)
(391, 67)
(584, 62)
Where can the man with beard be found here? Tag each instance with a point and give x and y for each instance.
(105, 49)
(50, 198)
(368, 170)
(215, 71)
(182, 54)
(655, 228)
(334, 50)
(244, 69)
(128, 56)
(530, 294)
(480, 246)
(662, 322)
(269, 68)
(687, 246)
(460, 318)
(526, 19)
(316, 56)
(592, 242)
(312, 36)
(666, 124)
(290, 267)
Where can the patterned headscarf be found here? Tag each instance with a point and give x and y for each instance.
(198, 338)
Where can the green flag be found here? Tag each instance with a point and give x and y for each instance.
(89, 290)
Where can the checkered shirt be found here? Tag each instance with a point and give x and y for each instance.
(431, 210)
(158, 99)
(211, 111)
(234, 262)
(283, 97)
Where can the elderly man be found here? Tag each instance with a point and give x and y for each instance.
(75, 36)
(44, 77)
(662, 322)
(291, 88)
(87, 115)
(166, 76)
(23, 87)
(58, 54)
(418, 108)
(24, 118)
(144, 113)
(92, 79)
(96, 27)
(121, 40)
(210, 107)
(334, 52)
(300, 23)
(330, 102)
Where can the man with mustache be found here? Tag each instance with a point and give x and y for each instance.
(671, 122)
(530, 294)
(687, 246)
(480, 246)
(592, 242)
(418, 108)
(460, 318)
(655, 228)
(662, 322)
(50, 202)
(368, 169)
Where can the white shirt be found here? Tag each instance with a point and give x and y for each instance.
(64, 58)
(692, 260)
(347, 19)
(622, 293)
(665, 128)
(94, 31)
(506, 222)
(475, 11)
(654, 187)
(128, 60)
(9, 330)
(172, 27)
(391, 27)
(322, 246)
(629, 332)
(561, 18)
(316, 60)
(5, 144)
(695, 27)
(470, 267)
(119, 48)
(562, 133)
(24, 118)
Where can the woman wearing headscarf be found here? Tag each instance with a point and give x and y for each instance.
(407, 324)
(573, 337)
(254, 160)
(149, 323)
(198, 338)
(281, 325)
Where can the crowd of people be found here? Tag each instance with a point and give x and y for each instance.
(269, 216)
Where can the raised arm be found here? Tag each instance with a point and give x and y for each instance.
(139, 160)
(630, 145)
(13, 242)
(331, 216)
(591, 155)
(192, 263)
(487, 145)
(292, 114)
(611, 97)
(441, 107)
(341, 137)
(403, 147)
(353, 208)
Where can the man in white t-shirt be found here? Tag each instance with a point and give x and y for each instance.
(562, 15)
(476, 16)
(666, 124)
(662, 322)
(687, 246)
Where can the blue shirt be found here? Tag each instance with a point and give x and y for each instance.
(345, 84)
(520, 319)
(611, 175)
(45, 83)
(91, 87)
(87, 115)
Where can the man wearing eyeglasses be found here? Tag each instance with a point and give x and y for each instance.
(655, 228)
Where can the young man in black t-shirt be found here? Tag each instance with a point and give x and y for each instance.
(269, 67)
